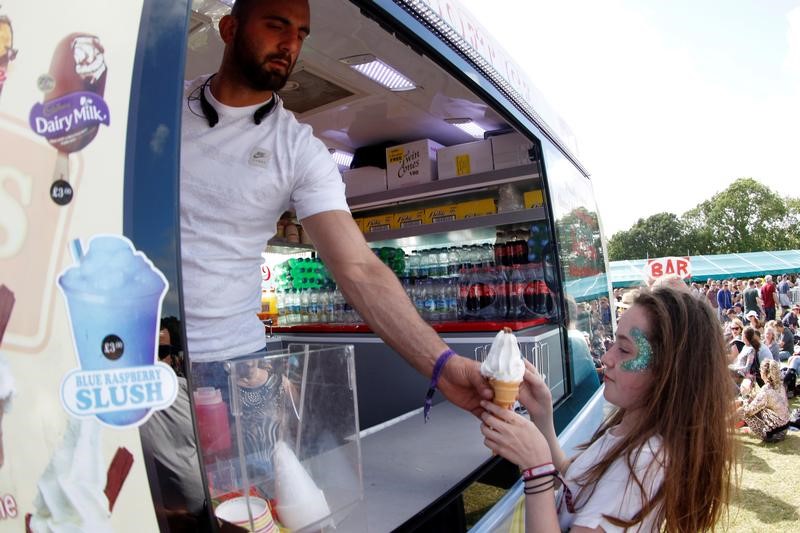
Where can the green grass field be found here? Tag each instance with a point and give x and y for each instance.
(767, 499)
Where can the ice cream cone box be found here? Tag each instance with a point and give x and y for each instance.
(409, 218)
(533, 199)
(294, 440)
(475, 208)
(411, 163)
(443, 213)
(465, 159)
(511, 150)
(364, 180)
(378, 223)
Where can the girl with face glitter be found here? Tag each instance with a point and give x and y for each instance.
(663, 458)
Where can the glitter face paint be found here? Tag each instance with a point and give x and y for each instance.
(644, 353)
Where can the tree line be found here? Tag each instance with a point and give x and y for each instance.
(745, 217)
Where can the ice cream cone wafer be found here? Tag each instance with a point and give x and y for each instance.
(505, 392)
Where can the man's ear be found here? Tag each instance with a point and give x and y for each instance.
(227, 28)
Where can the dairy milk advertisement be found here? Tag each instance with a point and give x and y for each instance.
(79, 304)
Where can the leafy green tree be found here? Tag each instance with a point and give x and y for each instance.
(745, 217)
(655, 236)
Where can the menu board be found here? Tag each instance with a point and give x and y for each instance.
(79, 305)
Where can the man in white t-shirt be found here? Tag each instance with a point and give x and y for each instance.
(244, 161)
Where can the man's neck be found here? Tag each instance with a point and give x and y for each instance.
(230, 90)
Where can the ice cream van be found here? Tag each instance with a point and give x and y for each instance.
(463, 180)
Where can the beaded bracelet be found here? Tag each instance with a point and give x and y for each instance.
(437, 370)
(547, 470)
(550, 481)
(541, 488)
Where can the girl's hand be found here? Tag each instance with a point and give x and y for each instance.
(535, 395)
(513, 437)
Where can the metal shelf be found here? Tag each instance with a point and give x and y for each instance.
(437, 188)
(455, 231)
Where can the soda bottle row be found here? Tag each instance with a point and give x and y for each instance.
(497, 293)
(326, 305)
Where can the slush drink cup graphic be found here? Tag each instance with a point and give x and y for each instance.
(113, 296)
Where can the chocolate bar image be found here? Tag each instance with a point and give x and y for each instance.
(118, 472)
(6, 305)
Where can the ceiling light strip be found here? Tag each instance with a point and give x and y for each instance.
(428, 17)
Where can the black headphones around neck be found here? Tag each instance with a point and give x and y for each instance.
(213, 117)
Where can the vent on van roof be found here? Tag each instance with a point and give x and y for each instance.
(306, 91)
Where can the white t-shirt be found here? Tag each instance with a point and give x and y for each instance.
(237, 178)
(616, 494)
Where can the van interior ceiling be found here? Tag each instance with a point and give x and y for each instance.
(346, 109)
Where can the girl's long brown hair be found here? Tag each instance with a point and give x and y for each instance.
(690, 407)
(753, 337)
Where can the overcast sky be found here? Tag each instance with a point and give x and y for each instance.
(670, 100)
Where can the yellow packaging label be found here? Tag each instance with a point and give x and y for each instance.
(378, 223)
(409, 218)
(475, 208)
(395, 155)
(443, 213)
(462, 165)
(533, 199)
(360, 223)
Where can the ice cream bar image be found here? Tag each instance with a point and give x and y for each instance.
(78, 66)
(76, 492)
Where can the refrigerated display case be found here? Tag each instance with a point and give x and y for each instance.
(470, 289)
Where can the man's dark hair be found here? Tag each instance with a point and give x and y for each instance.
(241, 8)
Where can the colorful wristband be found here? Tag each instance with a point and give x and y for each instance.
(437, 370)
(546, 469)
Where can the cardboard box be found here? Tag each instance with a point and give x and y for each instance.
(378, 223)
(532, 199)
(465, 159)
(444, 213)
(409, 218)
(475, 208)
(411, 163)
(364, 180)
(511, 150)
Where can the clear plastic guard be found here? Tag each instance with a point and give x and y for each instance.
(294, 440)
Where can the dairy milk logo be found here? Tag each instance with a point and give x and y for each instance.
(70, 113)
(113, 296)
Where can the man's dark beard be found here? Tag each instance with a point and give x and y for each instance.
(254, 70)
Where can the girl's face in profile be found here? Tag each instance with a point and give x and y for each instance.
(628, 375)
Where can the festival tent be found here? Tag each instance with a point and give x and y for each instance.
(704, 267)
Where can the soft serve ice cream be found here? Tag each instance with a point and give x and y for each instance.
(71, 494)
(504, 368)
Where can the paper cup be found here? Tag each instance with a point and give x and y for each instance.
(235, 512)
